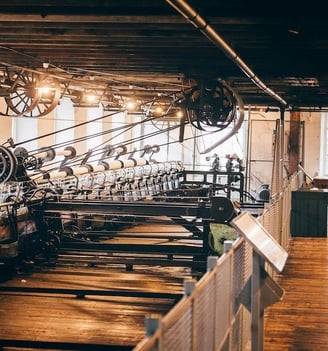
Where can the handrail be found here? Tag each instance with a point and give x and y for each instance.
(212, 315)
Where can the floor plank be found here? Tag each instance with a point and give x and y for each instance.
(113, 318)
(116, 321)
(300, 321)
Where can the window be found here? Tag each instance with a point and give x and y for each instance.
(24, 129)
(93, 132)
(323, 168)
(64, 120)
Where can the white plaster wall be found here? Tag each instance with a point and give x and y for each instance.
(5, 123)
(80, 131)
(46, 126)
(311, 141)
(261, 138)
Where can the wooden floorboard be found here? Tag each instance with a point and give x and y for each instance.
(300, 321)
(56, 311)
(115, 321)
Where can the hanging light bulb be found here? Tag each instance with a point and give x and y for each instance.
(91, 98)
(158, 110)
(131, 105)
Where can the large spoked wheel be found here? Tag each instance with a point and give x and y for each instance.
(8, 164)
(31, 94)
(211, 104)
(48, 95)
(23, 96)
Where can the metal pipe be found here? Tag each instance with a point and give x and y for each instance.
(200, 23)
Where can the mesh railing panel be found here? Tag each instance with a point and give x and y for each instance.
(240, 273)
(204, 316)
(213, 318)
(236, 342)
(285, 218)
(223, 306)
(241, 331)
(271, 220)
(177, 333)
(246, 323)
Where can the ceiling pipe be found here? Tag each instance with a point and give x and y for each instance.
(200, 23)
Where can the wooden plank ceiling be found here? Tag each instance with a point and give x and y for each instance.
(147, 47)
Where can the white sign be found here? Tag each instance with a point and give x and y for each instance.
(261, 240)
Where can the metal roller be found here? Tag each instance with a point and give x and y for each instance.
(49, 153)
(115, 164)
(128, 163)
(35, 160)
(139, 161)
(46, 154)
(99, 168)
(64, 172)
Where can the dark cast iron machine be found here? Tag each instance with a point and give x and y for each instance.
(56, 202)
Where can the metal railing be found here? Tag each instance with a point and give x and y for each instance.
(211, 315)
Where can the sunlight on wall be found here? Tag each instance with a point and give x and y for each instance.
(64, 120)
(24, 129)
(323, 168)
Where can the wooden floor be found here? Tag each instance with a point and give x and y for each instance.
(110, 316)
(300, 321)
(77, 306)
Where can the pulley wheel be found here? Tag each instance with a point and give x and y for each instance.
(23, 96)
(222, 209)
(48, 95)
(31, 94)
(31, 163)
(8, 164)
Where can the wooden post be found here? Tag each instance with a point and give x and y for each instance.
(257, 310)
(294, 142)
